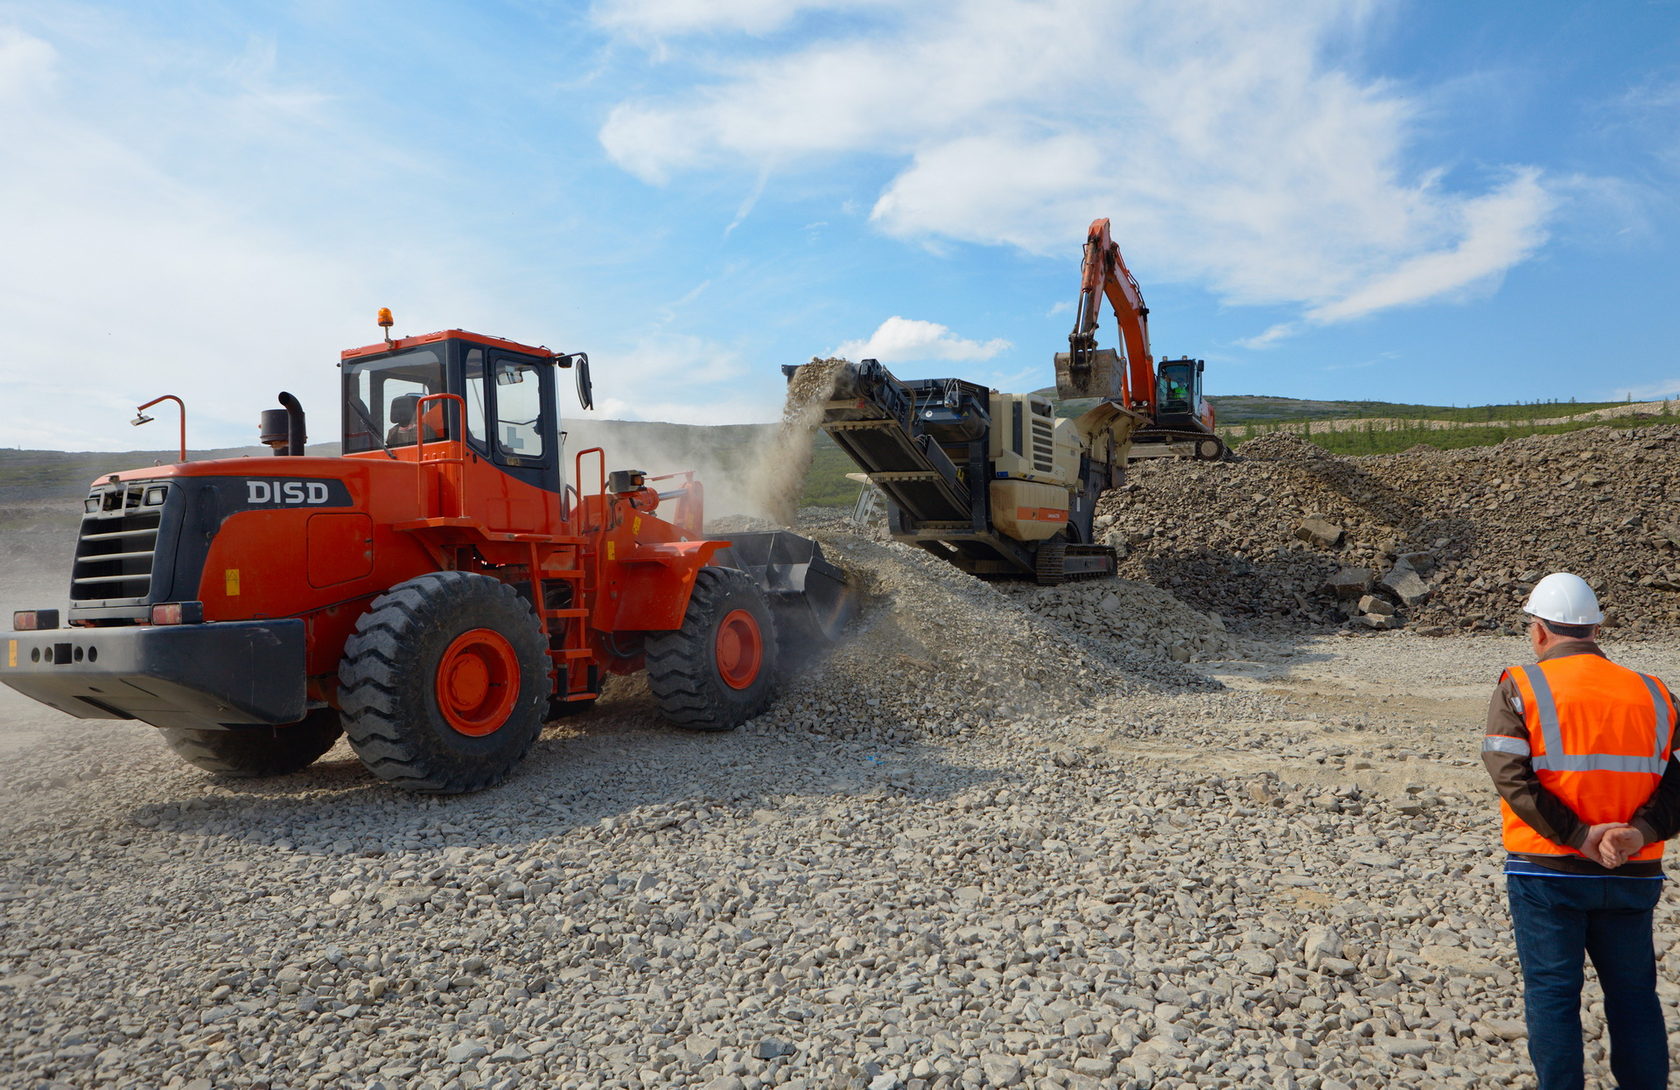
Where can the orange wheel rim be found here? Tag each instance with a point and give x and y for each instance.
(477, 682)
(739, 650)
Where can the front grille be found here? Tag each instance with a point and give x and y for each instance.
(114, 553)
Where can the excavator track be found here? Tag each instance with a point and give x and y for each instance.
(1058, 562)
(1155, 441)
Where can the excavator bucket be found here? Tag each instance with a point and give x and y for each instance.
(807, 593)
(1102, 374)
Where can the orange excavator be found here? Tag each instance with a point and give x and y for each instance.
(1178, 422)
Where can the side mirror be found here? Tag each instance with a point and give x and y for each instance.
(585, 388)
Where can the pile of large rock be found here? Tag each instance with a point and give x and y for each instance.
(1291, 534)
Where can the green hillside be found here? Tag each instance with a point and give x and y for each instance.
(1389, 436)
(1234, 409)
(723, 454)
(1254, 408)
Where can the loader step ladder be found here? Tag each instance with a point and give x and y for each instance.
(566, 626)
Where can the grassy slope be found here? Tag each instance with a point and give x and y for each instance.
(1248, 409)
(1392, 438)
(1257, 409)
(32, 477)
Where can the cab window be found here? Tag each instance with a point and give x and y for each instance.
(382, 400)
(477, 413)
(519, 410)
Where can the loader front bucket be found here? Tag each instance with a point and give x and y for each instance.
(808, 594)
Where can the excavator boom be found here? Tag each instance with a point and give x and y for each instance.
(1104, 276)
(1177, 422)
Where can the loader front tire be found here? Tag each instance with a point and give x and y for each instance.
(717, 670)
(445, 682)
(251, 752)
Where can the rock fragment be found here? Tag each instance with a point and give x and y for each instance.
(1318, 532)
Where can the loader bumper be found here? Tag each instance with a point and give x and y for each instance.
(201, 676)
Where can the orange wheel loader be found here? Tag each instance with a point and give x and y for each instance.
(436, 592)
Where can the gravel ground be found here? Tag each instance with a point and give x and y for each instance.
(996, 840)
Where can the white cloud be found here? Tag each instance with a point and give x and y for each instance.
(1273, 335)
(748, 202)
(1499, 231)
(153, 252)
(660, 356)
(1655, 391)
(223, 237)
(659, 18)
(27, 65)
(1227, 141)
(903, 340)
(109, 237)
(722, 410)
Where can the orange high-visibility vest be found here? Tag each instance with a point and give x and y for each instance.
(1599, 736)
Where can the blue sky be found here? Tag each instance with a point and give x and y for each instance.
(1433, 202)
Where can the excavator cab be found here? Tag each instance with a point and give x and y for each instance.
(1179, 391)
(1183, 422)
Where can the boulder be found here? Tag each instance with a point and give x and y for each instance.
(1318, 532)
(1320, 943)
(1376, 605)
(1406, 585)
(1349, 583)
(1421, 562)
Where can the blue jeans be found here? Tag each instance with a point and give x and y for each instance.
(1557, 921)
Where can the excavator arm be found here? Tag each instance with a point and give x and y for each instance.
(1104, 275)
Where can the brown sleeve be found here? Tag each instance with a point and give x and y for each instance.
(1514, 777)
(1659, 817)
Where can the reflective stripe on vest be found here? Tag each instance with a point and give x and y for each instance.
(1665, 738)
(1504, 743)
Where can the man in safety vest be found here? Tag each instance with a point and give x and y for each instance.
(1579, 749)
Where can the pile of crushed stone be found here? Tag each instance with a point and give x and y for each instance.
(935, 651)
(1476, 527)
(1136, 616)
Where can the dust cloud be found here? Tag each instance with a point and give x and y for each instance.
(38, 540)
(751, 471)
(777, 477)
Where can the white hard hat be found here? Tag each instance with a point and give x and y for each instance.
(1565, 599)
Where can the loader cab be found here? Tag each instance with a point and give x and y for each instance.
(512, 413)
(1178, 394)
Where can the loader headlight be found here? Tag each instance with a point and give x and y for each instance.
(34, 620)
(155, 495)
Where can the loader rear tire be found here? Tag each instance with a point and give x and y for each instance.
(718, 670)
(445, 683)
(252, 752)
